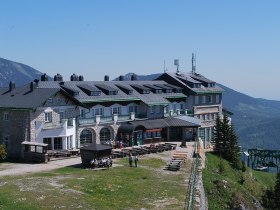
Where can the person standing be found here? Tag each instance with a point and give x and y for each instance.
(130, 160)
(136, 160)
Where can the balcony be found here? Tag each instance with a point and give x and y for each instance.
(67, 123)
(104, 119)
(178, 112)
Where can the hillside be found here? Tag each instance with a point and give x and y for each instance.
(17, 72)
(230, 189)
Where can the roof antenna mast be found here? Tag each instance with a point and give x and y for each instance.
(164, 69)
(193, 63)
(176, 63)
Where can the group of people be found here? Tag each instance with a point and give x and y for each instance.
(132, 159)
(102, 163)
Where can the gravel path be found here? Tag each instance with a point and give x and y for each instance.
(8, 169)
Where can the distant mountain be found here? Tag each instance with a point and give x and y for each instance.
(256, 120)
(17, 72)
(140, 77)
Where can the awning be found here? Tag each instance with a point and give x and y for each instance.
(180, 121)
(126, 128)
(151, 124)
(34, 143)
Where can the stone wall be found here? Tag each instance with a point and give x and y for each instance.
(14, 131)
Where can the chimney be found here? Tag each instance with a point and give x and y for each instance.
(133, 77)
(121, 78)
(81, 78)
(12, 86)
(31, 86)
(58, 77)
(106, 78)
(74, 77)
(44, 77)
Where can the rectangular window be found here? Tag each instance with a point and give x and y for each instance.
(61, 116)
(181, 106)
(202, 133)
(203, 99)
(49, 142)
(82, 113)
(149, 135)
(57, 143)
(6, 116)
(97, 111)
(196, 100)
(210, 99)
(217, 98)
(116, 110)
(48, 117)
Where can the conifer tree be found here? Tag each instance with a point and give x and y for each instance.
(217, 138)
(233, 150)
(226, 141)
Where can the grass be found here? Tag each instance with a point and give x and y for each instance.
(122, 187)
(231, 188)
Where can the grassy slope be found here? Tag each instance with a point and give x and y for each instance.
(147, 186)
(223, 196)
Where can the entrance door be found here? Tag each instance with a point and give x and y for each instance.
(137, 138)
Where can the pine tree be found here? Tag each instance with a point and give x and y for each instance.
(233, 149)
(226, 142)
(217, 138)
(226, 135)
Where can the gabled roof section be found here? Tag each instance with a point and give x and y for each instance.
(126, 89)
(186, 79)
(89, 90)
(23, 98)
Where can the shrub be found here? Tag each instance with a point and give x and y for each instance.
(3, 152)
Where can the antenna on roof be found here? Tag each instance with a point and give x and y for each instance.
(176, 63)
(193, 63)
(164, 69)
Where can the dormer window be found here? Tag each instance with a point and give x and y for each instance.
(50, 100)
(95, 93)
(113, 92)
(146, 92)
(212, 84)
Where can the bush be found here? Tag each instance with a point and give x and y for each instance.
(221, 166)
(3, 152)
(243, 166)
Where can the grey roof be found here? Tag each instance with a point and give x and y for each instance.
(167, 122)
(182, 79)
(192, 120)
(149, 99)
(23, 98)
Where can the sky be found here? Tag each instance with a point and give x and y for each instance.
(237, 43)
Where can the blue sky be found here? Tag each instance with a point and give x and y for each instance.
(236, 42)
